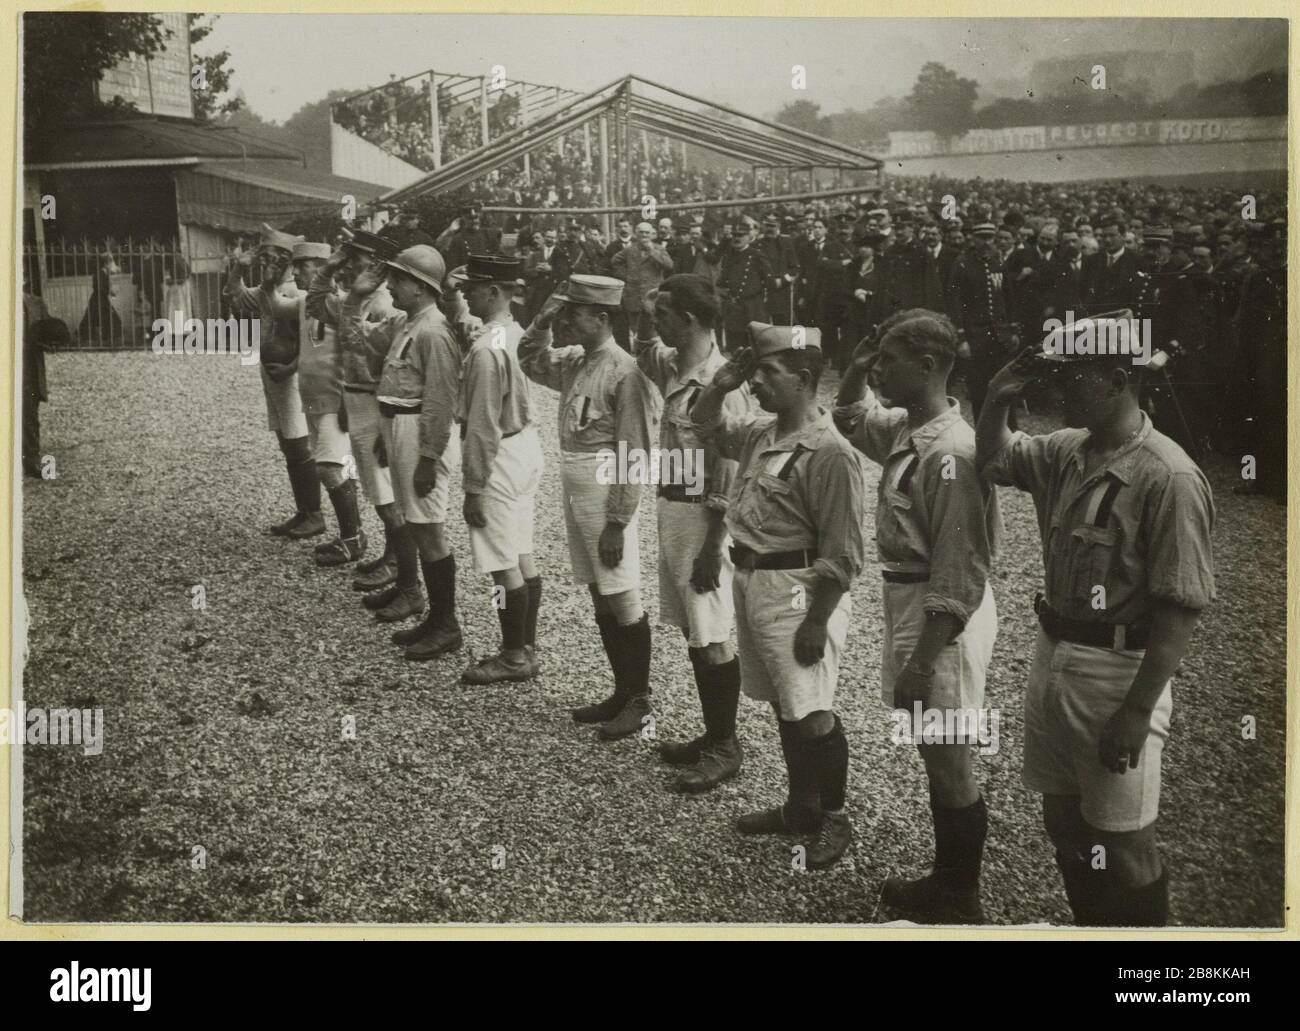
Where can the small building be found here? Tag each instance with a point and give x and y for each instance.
(167, 200)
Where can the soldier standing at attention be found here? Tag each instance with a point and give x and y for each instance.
(1126, 519)
(605, 402)
(937, 530)
(796, 520)
(676, 351)
(276, 303)
(502, 465)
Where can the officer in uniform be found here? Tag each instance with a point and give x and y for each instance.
(676, 351)
(501, 464)
(320, 387)
(779, 250)
(607, 406)
(417, 393)
(1126, 519)
(276, 303)
(796, 520)
(744, 279)
(466, 234)
(978, 298)
(937, 531)
(364, 332)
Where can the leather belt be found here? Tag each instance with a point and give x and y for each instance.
(1116, 636)
(677, 492)
(464, 432)
(388, 411)
(358, 390)
(747, 558)
(893, 576)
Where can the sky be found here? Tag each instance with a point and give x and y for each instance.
(282, 62)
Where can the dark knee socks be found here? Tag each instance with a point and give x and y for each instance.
(828, 759)
(408, 559)
(344, 499)
(959, 843)
(534, 585)
(719, 689)
(514, 619)
(302, 474)
(440, 585)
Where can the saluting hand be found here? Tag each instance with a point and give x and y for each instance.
(367, 280)
(810, 642)
(1014, 377)
(740, 366)
(550, 309)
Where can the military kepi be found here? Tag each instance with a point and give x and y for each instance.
(592, 290)
(775, 339)
(488, 268)
(275, 238)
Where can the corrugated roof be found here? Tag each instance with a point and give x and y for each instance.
(143, 139)
(288, 178)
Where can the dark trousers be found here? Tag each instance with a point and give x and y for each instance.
(31, 433)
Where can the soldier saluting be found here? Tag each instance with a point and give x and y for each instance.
(796, 520)
(1125, 517)
(605, 402)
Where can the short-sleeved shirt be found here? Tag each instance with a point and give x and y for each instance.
(804, 491)
(605, 400)
(934, 513)
(494, 398)
(423, 367)
(1139, 526)
(680, 388)
(365, 329)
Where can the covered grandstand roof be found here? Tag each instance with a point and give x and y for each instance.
(659, 109)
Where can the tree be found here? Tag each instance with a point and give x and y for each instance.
(64, 57)
(941, 101)
(805, 115)
(216, 76)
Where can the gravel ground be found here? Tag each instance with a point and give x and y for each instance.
(223, 727)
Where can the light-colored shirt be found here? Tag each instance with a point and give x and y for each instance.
(933, 513)
(423, 367)
(680, 388)
(815, 503)
(320, 362)
(362, 347)
(279, 310)
(1139, 525)
(494, 399)
(604, 400)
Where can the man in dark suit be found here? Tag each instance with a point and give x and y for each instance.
(1110, 277)
(808, 250)
(1068, 294)
(905, 265)
(622, 237)
(936, 268)
(784, 263)
(833, 290)
(1033, 277)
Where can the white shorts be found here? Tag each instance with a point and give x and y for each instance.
(770, 605)
(508, 502)
(284, 414)
(584, 519)
(363, 431)
(402, 439)
(707, 618)
(960, 668)
(328, 442)
(1073, 690)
